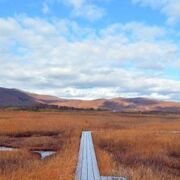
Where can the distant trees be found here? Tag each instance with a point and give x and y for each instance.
(43, 107)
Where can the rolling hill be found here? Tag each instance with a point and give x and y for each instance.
(15, 98)
(18, 98)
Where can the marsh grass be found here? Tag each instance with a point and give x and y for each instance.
(140, 153)
(136, 146)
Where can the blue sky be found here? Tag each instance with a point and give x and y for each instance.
(91, 48)
(114, 11)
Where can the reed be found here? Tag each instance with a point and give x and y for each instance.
(136, 146)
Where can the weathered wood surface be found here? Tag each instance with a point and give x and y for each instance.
(87, 168)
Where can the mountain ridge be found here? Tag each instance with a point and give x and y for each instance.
(19, 98)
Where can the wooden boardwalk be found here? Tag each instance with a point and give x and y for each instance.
(87, 168)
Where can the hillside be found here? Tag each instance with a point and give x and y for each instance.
(123, 104)
(15, 98)
(18, 98)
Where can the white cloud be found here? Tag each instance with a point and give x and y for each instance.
(52, 57)
(45, 8)
(77, 4)
(85, 9)
(171, 8)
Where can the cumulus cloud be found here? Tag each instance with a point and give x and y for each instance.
(85, 9)
(50, 56)
(171, 8)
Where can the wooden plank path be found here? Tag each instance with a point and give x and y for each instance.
(87, 168)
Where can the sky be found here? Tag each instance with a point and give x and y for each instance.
(91, 49)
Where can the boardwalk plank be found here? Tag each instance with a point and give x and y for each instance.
(84, 171)
(89, 162)
(94, 161)
(87, 168)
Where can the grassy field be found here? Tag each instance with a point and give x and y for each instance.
(136, 146)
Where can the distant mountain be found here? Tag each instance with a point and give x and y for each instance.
(18, 98)
(15, 98)
(45, 99)
(124, 104)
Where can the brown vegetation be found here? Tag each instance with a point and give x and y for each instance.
(135, 146)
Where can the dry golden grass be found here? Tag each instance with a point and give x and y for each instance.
(135, 146)
(145, 152)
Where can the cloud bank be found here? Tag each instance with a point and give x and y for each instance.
(61, 57)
